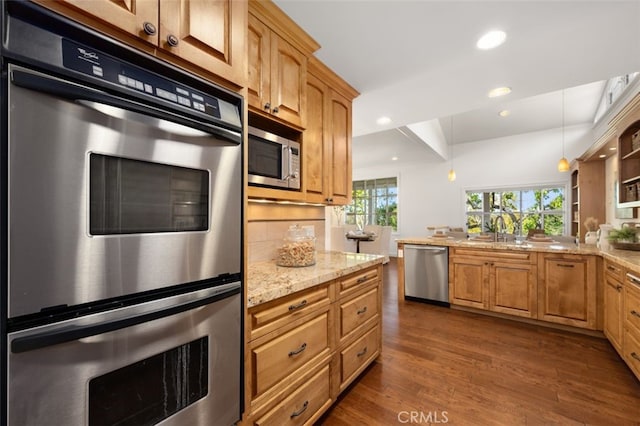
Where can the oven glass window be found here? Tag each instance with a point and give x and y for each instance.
(151, 390)
(132, 196)
(265, 158)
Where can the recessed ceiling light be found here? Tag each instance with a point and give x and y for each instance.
(602, 156)
(394, 158)
(491, 39)
(383, 120)
(499, 91)
(504, 113)
(613, 148)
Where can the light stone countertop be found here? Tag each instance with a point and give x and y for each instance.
(267, 281)
(626, 258)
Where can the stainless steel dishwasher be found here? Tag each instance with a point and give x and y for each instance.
(426, 274)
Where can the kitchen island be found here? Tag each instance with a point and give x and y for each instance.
(576, 287)
(310, 332)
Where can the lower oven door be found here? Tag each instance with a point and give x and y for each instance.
(175, 361)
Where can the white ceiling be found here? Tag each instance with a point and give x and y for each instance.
(416, 61)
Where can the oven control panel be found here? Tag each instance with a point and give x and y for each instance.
(92, 62)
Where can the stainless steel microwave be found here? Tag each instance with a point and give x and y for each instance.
(274, 161)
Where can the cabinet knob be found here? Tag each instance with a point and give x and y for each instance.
(149, 28)
(275, 110)
(267, 106)
(172, 40)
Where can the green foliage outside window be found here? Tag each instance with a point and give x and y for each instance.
(374, 202)
(520, 209)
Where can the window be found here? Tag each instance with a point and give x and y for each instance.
(521, 209)
(374, 202)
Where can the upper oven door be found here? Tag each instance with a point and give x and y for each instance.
(106, 200)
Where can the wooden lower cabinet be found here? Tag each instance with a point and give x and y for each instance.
(613, 304)
(567, 289)
(495, 280)
(306, 348)
(631, 341)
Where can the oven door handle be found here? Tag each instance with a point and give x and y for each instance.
(75, 92)
(71, 333)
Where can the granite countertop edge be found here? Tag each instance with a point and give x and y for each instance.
(267, 281)
(626, 258)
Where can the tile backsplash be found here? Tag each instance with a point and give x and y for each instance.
(265, 236)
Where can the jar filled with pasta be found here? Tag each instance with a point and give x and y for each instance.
(298, 248)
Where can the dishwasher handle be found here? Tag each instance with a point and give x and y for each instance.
(427, 248)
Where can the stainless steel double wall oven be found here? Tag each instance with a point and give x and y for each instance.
(121, 231)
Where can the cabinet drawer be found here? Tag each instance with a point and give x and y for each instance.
(614, 271)
(302, 404)
(357, 311)
(355, 357)
(266, 318)
(282, 355)
(632, 351)
(358, 280)
(632, 308)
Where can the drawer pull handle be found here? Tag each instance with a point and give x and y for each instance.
(299, 350)
(362, 311)
(612, 268)
(635, 313)
(300, 411)
(362, 279)
(617, 286)
(298, 305)
(362, 352)
(635, 356)
(633, 278)
(566, 265)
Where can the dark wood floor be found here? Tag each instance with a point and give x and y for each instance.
(450, 366)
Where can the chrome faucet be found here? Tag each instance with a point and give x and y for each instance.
(499, 230)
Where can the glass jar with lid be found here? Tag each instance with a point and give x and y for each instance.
(298, 248)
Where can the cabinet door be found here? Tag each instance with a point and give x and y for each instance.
(512, 289)
(288, 81)
(567, 290)
(339, 172)
(613, 312)
(258, 55)
(468, 284)
(315, 143)
(210, 34)
(129, 16)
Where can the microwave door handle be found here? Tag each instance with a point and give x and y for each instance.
(75, 92)
(71, 333)
(289, 153)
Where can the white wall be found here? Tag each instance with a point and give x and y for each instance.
(426, 197)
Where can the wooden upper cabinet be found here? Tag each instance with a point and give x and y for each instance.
(340, 171)
(209, 34)
(326, 141)
(316, 146)
(277, 74)
(259, 54)
(130, 16)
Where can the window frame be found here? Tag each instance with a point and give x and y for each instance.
(368, 217)
(565, 212)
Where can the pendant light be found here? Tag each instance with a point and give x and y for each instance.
(452, 173)
(563, 164)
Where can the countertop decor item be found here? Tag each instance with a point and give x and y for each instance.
(591, 225)
(626, 234)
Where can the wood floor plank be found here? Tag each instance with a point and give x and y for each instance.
(482, 370)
